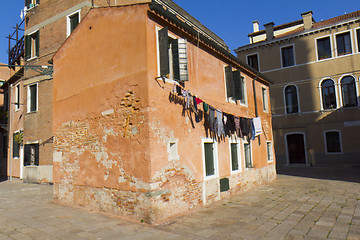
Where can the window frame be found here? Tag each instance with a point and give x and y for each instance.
(257, 57)
(246, 142)
(230, 99)
(317, 48)
(17, 97)
(68, 21)
(321, 95)
(340, 142)
(239, 155)
(265, 99)
(281, 55)
(29, 98)
(336, 43)
(34, 45)
(341, 90)
(271, 151)
(297, 97)
(215, 156)
(357, 41)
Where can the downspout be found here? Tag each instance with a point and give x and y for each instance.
(10, 134)
(255, 103)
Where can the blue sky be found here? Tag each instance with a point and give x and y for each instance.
(231, 20)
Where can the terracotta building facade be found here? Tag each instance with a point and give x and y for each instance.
(136, 88)
(315, 67)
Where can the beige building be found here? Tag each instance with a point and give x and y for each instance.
(315, 67)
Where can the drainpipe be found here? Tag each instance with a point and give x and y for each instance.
(10, 134)
(255, 102)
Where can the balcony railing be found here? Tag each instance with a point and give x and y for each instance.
(16, 50)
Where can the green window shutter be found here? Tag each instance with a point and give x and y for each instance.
(37, 43)
(179, 53)
(209, 159)
(229, 81)
(237, 86)
(33, 98)
(74, 21)
(16, 147)
(27, 47)
(164, 51)
(234, 156)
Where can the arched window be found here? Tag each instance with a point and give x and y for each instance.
(291, 99)
(328, 94)
(348, 92)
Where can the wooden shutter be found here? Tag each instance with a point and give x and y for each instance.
(74, 21)
(37, 43)
(179, 53)
(209, 159)
(27, 47)
(229, 81)
(164, 51)
(33, 98)
(237, 91)
(234, 156)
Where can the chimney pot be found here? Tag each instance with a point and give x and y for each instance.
(255, 25)
(269, 29)
(307, 19)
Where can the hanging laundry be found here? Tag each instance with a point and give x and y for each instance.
(220, 124)
(174, 88)
(256, 127)
(245, 126)
(229, 124)
(205, 107)
(178, 90)
(198, 101)
(212, 118)
(239, 131)
(187, 97)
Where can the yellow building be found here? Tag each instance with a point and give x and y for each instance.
(315, 67)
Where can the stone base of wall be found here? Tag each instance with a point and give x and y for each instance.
(157, 205)
(38, 174)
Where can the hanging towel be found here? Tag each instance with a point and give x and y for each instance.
(188, 100)
(245, 126)
(198, 101)
(205, 107)
(212, 118)
(219, 123)
(256, 127)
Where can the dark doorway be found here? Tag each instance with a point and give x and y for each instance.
(296, 148)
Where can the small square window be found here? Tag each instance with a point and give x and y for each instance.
(343, 44)
(173, 150)
(287, 56)
(333, 142)
(323, 48)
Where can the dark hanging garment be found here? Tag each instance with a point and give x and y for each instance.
(230, 124)
(239, 132)
(212, 118)
(219, 123)
(205, 107)
(245, 126)
(178, 90)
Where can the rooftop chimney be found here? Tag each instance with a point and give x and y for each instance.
(269, 28)
(308, 20)
(255, 25)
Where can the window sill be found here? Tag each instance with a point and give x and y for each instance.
(236, 171)
(32, 58)
(210, 177)
(229, 100)
(32, 112)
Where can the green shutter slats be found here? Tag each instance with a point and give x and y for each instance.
(179, 54)
(209, 159)
(164, 51)
(229, 81)
(27, 47)
(33, 98)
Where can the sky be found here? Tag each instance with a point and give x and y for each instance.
(231, 20)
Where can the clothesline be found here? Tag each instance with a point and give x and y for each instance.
(224, 123)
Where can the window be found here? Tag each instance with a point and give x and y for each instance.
(252, 61)
(173, 56)
(235, 155)
(328, 94)
(32, 45)
(31, 3)
(323, 48)
(333, 142)
(173, 150)
(31, 154)
(72, 21)
(287, 56)
(269, 148)
(343, 44)
(291, 99)
(265, 99)
(247, 154)
(6, 101)
(348, 92)
(16, 144)
(235, 85)
(358, 39)
(32, 98)
(17, 97)
(210, 158)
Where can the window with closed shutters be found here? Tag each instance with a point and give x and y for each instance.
(32, 98)
(235, 85)
(209, 159)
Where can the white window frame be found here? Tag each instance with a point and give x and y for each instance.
(281, 58)
(29, 98)
(265, 99)
(17, 97)
(325, 143)
(357, 50)
(239, 154)
(172, 156)
(251, 154)
(229, 99)
(336, 94)
(33, 54)
(215, 152)
(331, 46)
(298, 98)
(352, 43)
(271, 152)
(340, 89)
(68, 27)
(257, 55)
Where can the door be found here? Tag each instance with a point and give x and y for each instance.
(296, 148)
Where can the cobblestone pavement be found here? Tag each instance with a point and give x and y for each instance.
(289, 208)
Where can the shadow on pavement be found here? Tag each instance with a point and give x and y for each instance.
(349, 173)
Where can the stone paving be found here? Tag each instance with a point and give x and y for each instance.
(289, 208)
